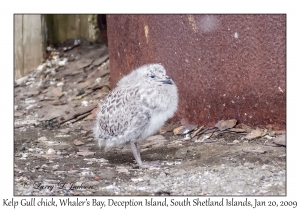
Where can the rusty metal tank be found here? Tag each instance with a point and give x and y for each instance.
(225, 66)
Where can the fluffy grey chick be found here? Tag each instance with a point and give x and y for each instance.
(139, 105)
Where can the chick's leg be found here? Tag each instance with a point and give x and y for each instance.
(135, 148)
(136, 153)
(138, 148)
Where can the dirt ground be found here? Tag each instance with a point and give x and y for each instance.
(55, 152)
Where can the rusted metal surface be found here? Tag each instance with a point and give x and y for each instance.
(225, 66)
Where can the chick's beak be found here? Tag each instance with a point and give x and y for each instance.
(167, 80)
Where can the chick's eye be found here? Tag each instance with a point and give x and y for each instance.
(152, 76)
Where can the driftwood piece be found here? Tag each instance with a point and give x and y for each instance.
(79, 118)
(99, 61)
(76, 113)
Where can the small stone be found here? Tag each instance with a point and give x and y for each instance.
(21, 179)
(84, 103)
(85, 153)
(44, 166)
(40, 178)
(41, 68)
(203, 137)
(62, 136)
(50, 151)
(78, 184)
(102, 160)
(253, 134)
(21, 147)
(236, 141)
(137, 180)
(55, 167)
(31, 106)
(177, 161)
(168, 127)
(28, 83)
(63, 62)
(97, 178)
(22, 80)
(29, 101)
(60, 84)
(18, 114)
(185, 129)
(78, 143)
(43, 138)
(122, 170)
(187, 137)
(280, 140)
(25, 155)
(98, 80)
(83, 132)
(268, 137)
(225, 124)
(263, 191)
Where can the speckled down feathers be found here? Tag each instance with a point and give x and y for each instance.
(137, 107)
